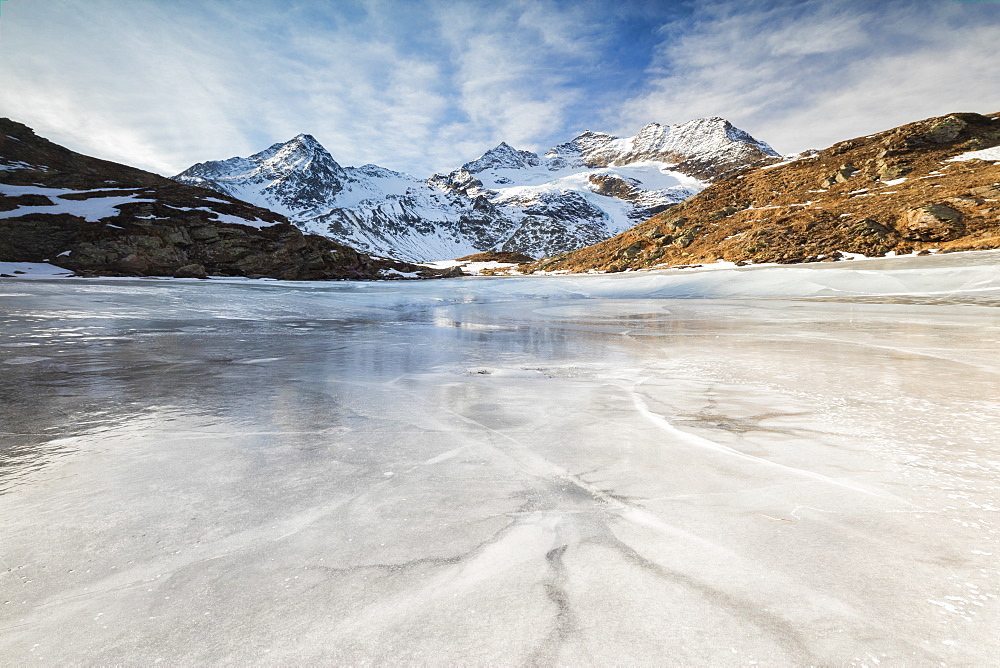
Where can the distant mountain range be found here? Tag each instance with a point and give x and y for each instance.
(576, 194)
(692, 193)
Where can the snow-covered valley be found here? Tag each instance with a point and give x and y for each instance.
(776, 465)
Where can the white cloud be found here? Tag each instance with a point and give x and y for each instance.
(808, 74)
(427, 85)
(162, 85)
(516, 69)
(108, 97)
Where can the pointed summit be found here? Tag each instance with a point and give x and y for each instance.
(504, 156)
(301, 153)
(574, 151)
(298, 174)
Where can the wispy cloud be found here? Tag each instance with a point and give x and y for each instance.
(809, 73)
(413, 86)
(425, 85)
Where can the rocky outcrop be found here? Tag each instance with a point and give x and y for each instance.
(100, 218)
(497, 256)
(613, 185)
(842, 174)
(908, 189)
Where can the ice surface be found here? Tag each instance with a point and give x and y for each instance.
(572, 470)
(470, 268)
(31, 270)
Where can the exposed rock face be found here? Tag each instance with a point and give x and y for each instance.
(101, 218)
(512, 200)
(849, 198)
(616, 186)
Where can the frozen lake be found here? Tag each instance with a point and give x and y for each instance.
(505, 471)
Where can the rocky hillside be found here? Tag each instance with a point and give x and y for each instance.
(927, 186)
(507, 200)
(101, 218)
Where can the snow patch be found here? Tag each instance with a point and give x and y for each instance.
(988, 154)
(92, 210)
(32, 270)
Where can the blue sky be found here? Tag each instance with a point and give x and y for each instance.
(425, 85)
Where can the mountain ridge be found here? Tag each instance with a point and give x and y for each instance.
(506, 200)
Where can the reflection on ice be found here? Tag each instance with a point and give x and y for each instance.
(553, 470)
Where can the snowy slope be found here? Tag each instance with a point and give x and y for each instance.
(577, 194)
(700, 145)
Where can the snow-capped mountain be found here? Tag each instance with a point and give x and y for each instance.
(578, 193)
(298, 176)
(704, 147)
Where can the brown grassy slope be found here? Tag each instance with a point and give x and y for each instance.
(834, 200)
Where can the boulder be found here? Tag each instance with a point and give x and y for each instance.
(675, 224)
(889, 171)
(845, 172)
(686, 238)
(987, 192)
(964, 201)
(946, 130)
(869, 227)
(191, 271)
(452, 272)
(631, 251)
(934, 222)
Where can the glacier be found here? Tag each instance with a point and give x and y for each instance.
(788, 465)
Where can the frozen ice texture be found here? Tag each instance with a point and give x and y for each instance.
(571, 470)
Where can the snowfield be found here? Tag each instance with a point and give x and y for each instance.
(790, 465)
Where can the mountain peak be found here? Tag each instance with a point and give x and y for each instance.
(300, 153)
(307, 140)
(503, 156)
(717, 133)
(713, 142)
(589, 134)
(298, 174)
